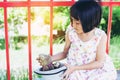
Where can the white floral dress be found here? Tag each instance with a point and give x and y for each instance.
(81, 53)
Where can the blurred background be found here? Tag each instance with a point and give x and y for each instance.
(17, 18)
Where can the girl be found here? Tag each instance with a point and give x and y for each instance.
(85, 45)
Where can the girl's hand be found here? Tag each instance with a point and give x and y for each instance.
(69, 70)
(44, 59)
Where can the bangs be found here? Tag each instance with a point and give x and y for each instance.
(74, 13)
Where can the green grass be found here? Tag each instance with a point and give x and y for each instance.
(20, 74)
(3, 75)
(115, 51)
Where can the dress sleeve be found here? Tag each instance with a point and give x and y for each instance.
(99, 33)
(69, 32)
(68, 29)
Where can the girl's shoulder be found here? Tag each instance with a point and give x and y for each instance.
(69, 29)
(99, 32)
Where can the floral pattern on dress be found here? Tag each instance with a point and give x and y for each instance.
(85, 52)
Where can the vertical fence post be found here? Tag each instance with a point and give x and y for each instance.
(29, 42)
(6, 42)
(51, 27)
(109, 26)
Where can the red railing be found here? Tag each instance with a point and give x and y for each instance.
(5, 4)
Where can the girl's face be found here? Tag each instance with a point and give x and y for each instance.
(76, 25)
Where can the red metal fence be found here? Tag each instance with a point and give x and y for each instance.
(5, 4)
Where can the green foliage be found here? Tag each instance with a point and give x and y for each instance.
(104, 20)
(115, 20)
(61, 21)
(46, 17)
(40, 40)
(59, 40)
(2, 44)
(18, 42)
(38, 76)
(43, 12)
(61, 18)
(1, 18)
(16, 17)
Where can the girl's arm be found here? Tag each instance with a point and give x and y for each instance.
(62, 54)
(100, 56)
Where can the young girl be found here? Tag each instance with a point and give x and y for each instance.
(85, 45)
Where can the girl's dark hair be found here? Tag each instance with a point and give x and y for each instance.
(88, 12)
